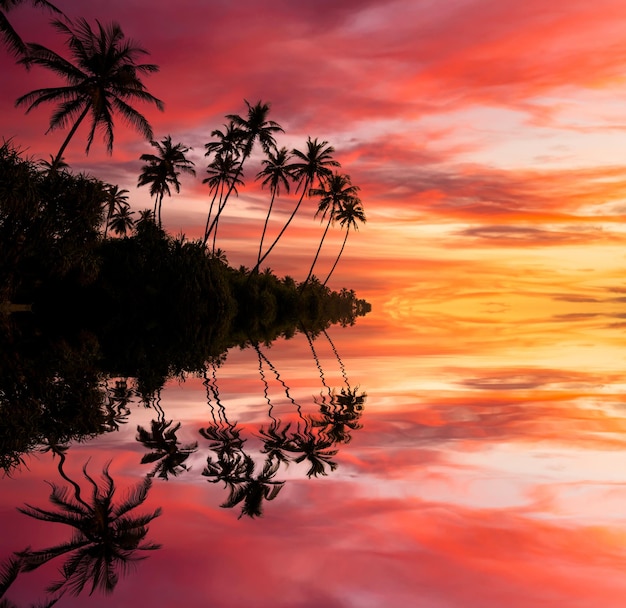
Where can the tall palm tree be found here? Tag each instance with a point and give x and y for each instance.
(116, 198)
(254, 127)
(311, 165)
(105, 535)
(348, 215)
(10, 37)
(162, 170)
(275, 173)
(336, 192)
(103, 79)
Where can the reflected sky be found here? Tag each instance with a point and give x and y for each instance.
(489, 468)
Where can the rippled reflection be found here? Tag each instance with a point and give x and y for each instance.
(72, 408)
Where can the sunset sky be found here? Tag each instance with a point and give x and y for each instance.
(486, 137)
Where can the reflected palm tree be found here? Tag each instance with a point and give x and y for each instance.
(341, 415)
(116, 404)
(252, 491)
(105, 536)
(167, 452)
(316, 449)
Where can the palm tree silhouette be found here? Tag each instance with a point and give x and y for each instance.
(347, 216)
(336, 192)
(162, 170)
(311, 165)
(245, 131)
(314, 448)
(254, 490)
(104, 78)
(167, 452)
(116, 199)
(222, 173)
(122, 221)
(105, 536)
(341, 414)
(276, 172)
(11, 38)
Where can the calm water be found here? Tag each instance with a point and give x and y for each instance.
(478, 450)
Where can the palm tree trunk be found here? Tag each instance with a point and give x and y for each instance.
(160, 203)
(223, 204)
(267, 219)
(293, 213)
(208, 219)
(318, 251)
(345, 238)
(59, 156)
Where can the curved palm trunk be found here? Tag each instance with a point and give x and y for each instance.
(345, 238)
(293, 214)
(318, 252)
(267, 219)
(59, 156)
(208, 219)
(223, 203)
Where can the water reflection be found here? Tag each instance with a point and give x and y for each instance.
(62, 408)
(106, 536)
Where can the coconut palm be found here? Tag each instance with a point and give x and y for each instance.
(314, 448)
(223, 173)
(162, 170)
(253, 490)
(105, 535)
(275, 173)
(311, 166)
(11, 38)
(335, 192)
(103, 79)
(116, 198)
(254, 127)
(122, 221)
(348, 215)
(167, 452)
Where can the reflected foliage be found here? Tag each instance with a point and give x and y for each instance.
(106, 535)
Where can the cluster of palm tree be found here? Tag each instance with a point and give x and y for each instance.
(103, 77)
(311, 170)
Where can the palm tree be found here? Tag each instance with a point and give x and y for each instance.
(313, 164)
(167, 452)
(162, 170)
(105, 536)
(347, 216)
(103, 79)
(254, 127)
(276, 172)
(116, 199)
(122, 221)
(336, 192)
(11, 38)
(222, 173)
(253, 490)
